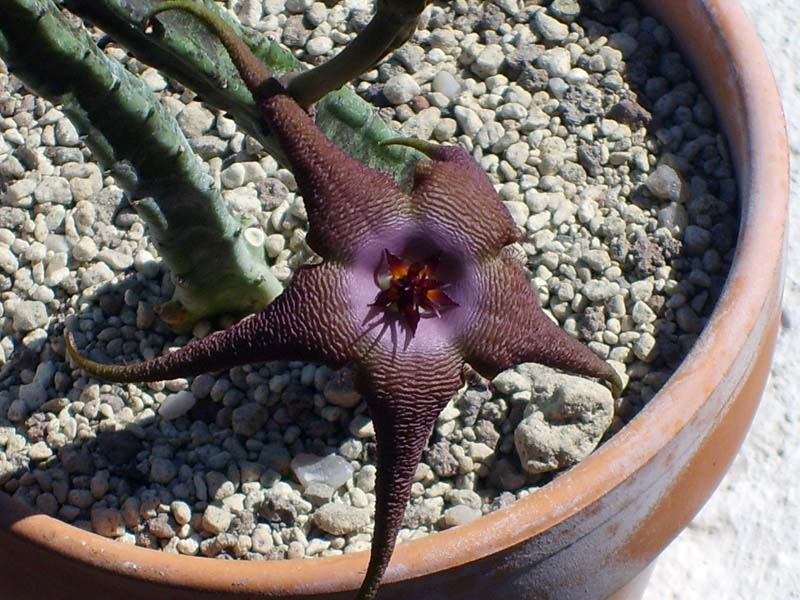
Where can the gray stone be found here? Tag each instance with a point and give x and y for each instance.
(319, 46)
(597, 259)
(29, 315)
(340, 390)
(195, 120)
(674, 217)
(261, 539)
(688, 320)
(332, 470)
(488, 62)
(341, 519)
(8, 261)
(565, 10)
(249, 419)
(624, 42)
(176, 405)
(365, 480)
(189, 546)
(232, 177)
(665, 183)
(117, 260)
(644, 348)
(275, 456)
(295, 34)
(401, 89)
(556, 61)
(162, 470)
(33, 394)
(181, 512)
(250, 12)
(216, 519)
(564, 422)
(424, 513)
(85, 250)
(696, 240)
(40, 451)
(468, 120)
(208, 146)
(642, 313)
(53, 190)
(18, 193)
(597, 290)
(154, 80)
(422, 124)
(517, 155)
(219, 486)
(95, 274)
(318, 493)
(549, 28)
(446, 83)
(519, 210)
(362, 427)
(298, 6)
(513, 111)
(11, 168)
(511, 382)
(460, 515)
(66, 134)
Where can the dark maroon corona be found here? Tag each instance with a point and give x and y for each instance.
(411, 290)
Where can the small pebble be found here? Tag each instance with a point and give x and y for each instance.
(341, 519)
(332, 470)
(400, 89)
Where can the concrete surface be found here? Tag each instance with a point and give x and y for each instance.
(745, 543)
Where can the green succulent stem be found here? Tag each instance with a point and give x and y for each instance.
(215, 267)
(392, 25)
(181, 47)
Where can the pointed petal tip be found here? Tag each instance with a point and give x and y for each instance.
(79, 361)
(368, 591)
(113, 373)
(72, 351)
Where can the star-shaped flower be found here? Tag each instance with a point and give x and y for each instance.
(413, 286)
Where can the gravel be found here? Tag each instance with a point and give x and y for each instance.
(596, 139)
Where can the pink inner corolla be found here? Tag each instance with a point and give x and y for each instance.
(413, 242)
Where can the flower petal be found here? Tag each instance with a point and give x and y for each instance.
(306, 322)
(405, 393)
(345, 199)
(509, 327)
(456, 197)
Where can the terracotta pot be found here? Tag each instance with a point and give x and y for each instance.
(593, 532)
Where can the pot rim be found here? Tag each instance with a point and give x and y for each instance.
(762, 172)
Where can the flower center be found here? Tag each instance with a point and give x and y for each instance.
(411, 290)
